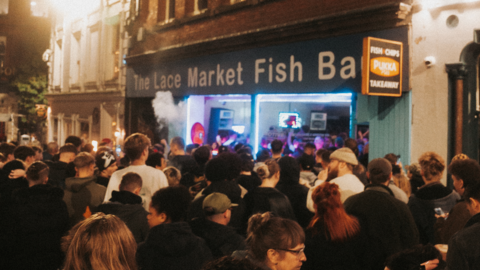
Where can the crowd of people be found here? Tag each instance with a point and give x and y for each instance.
(175, 206)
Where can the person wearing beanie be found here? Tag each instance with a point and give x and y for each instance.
(106, 165)
(389, 224)
(340, 172)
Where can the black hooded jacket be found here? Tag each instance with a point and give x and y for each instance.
(129, 208)
(222, 240)
(172, 246)
(39, 218)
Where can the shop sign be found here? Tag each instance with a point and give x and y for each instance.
(331, 65)
(382, 67)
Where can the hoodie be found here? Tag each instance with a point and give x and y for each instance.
(81, 193)
(129, 208)
(422, 204)
(38, 218)
(172, 246)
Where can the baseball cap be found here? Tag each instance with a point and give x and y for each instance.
(217, 203)
(104, 159)
(380, 165)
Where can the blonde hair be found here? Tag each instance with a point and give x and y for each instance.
(100, 242)
(432, 164)
(269, 169)
(403, 183)
(173, 175)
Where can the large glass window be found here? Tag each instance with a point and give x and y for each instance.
(166, 10)
(112, 56)
(93, 46)
(75, 57)
(39, 8)
(57, 63)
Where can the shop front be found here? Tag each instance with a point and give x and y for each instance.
(308, 91)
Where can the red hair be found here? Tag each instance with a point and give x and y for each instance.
(330, 216)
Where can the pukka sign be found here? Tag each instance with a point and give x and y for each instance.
(382, 67)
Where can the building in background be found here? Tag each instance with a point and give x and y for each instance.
(86, 71)
(24, 32)
(257, 59)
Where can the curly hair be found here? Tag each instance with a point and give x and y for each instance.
(432, 164)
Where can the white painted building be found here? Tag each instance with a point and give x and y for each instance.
(86, 72)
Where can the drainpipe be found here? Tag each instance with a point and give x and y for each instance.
(458, 72)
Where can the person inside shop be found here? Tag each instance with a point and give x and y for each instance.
(178, 158)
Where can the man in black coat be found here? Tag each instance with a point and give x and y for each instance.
(58, 169)
(170, 243)
(387, 221)
(221, 239)
(38, 219)
(127, 205)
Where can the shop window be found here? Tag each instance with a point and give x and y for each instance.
(93, 46)
(166, 11)
(75, 52)
(57, 64)
(112, 56)
(193, 7)
(3, 7)
(39, 8)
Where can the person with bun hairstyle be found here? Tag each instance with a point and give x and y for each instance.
(333, 233)
(274, 243)
(266, 197)
(100, 242)
(431, 197)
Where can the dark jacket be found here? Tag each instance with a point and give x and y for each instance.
(388, 223)
(265, 199)
(184, 163)
(222, 240)
(81, 193)
(103, 180)
(323, 253)
(57, 174)
(457, 219)
(233, 191)
(464, 247)
(39, 217)
(172, 246)
(129, 208)
(249, 182)
(297, 195)
(423, 203)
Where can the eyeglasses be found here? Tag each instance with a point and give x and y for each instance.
(297, 252)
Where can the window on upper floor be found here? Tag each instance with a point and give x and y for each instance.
(3, 50)
(75, 54)
(193, 7)
(92, 54)
(57, 63)
(166, 10)
(112, 54)
(39, 8)
(3, 7)
(231, 2)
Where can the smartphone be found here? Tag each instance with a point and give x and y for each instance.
(439, 211)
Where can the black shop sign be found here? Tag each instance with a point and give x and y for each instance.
(382, 67)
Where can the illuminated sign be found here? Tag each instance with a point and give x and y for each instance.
(382, 67)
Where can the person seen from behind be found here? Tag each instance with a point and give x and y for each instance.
(99, 242)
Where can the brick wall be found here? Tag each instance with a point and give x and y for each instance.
(247, 17)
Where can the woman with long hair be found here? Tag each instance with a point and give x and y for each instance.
(275, 243)
(100, 242)
(333, 238)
